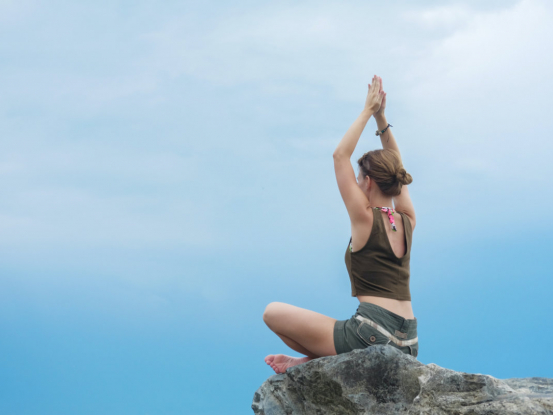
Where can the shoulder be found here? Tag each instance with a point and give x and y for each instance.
(367, 218)
(411, 218)
(363, 222)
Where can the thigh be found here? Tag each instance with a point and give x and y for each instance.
(312, 330)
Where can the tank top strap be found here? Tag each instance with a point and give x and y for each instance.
(390, 212)
(407, 229)
(379, 226)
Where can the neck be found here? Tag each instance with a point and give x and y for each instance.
(381, 202)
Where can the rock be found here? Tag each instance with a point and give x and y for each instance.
(382, 380)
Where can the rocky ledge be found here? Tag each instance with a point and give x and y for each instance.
(382, 380)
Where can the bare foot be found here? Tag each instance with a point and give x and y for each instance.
(281, 362)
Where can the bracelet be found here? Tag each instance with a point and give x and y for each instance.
(378, 132)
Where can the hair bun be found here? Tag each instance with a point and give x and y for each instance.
(400, 175)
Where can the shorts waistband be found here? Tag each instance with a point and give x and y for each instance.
(369, 309)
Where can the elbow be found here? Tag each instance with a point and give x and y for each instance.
(339, 154)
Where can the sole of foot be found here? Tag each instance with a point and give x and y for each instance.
(281, 362)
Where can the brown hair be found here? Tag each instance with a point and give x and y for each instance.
(385, 168)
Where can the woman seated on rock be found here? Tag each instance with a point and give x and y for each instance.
(377, 256)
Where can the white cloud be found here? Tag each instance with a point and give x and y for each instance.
(485, 89)
(449, 17)
(464, 84)
(498, 57)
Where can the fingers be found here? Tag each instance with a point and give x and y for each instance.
(383, 102)
(377, 84)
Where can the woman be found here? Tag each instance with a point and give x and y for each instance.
(377, 256)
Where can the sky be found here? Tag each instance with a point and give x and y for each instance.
(166, 173)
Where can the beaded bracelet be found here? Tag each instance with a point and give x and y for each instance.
(378, 132)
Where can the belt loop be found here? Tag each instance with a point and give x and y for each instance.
(400, 334)
(403, 324)
(403, 330)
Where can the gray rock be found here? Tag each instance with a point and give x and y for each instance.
(383, 380)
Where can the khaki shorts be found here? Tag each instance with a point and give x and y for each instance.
(372, 325)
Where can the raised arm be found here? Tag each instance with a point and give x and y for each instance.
(387, 139)
(347, 145)
(355, 200)
(402, 203)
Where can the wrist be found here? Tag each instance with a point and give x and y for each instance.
(367, 112)
(381, 121)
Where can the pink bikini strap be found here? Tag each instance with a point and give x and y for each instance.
(390, 211)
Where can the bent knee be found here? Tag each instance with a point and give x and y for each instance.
(271, 311)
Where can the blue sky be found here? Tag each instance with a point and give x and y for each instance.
(166, 173)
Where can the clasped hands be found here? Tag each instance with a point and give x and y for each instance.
(376, 98)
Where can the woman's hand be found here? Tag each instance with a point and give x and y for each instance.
(375, 95)
(380, 112)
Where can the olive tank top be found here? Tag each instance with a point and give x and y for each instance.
(375, 269)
